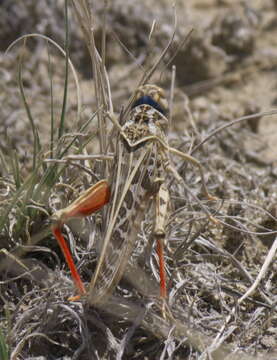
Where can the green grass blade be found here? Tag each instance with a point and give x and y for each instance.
(29, 114)
(50, 71)
(16, 196)
(62, 122)
(4, 351)
(15, 168)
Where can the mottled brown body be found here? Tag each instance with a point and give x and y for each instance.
(139, 165)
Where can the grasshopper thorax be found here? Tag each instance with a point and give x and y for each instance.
(153, 96)
(147, 116)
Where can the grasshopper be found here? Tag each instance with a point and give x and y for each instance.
(142, 163)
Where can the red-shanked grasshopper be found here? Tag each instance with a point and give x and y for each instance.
(141, 164)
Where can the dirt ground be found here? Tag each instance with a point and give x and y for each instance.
(225, 70)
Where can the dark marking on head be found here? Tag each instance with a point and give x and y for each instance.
(148, 100)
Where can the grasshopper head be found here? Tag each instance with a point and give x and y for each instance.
(151, 95)
(147, 118)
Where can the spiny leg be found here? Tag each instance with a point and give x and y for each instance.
(68, 257)
(162, 200)
(87, 203)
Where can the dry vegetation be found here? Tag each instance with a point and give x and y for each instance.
(226, 71)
